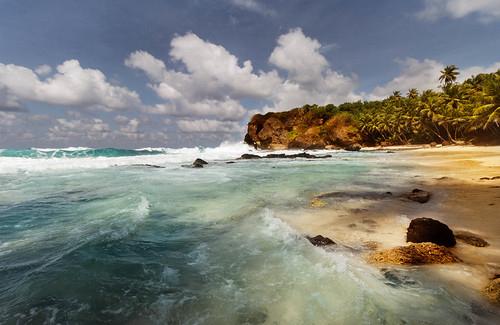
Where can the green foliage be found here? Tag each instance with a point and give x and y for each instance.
(461, 112)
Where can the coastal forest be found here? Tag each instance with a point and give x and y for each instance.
(457, 113)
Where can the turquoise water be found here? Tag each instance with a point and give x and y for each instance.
(77, 152)
(96, 240)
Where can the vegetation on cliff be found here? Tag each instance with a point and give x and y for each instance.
(460, 112)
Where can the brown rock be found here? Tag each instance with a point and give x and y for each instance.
(423, 230)
(414, 254)
(320, 241)
(470, 238)
(418, 195)
(492, 291)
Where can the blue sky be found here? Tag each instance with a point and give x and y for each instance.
(182, 73)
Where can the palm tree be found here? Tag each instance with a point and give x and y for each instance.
(413, 93)
(449, 75)
(396, 94)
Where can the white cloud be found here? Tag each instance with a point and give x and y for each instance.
(131, 130)
(423, 75)
(212, 86)
(208, 126)
(310, 78)
(487, 10)
(475, 70)
(253, 5)
(43, 70)
(91, 129)
(414, 74)
(215, 83)
(70, 85)
(299, 55)
(7, 118)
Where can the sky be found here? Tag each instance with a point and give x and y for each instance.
(159, 73)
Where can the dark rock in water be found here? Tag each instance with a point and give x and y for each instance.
(470, 238)
(197, 165)
(320, 241)
(419, 196)
(422, 230)
(284, 156)
(275, 155)
(199, 161)
(249, 156)
(147, 165)
(353, 147)
(230, 162)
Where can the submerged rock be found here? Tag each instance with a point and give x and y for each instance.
(147, 165)
(249, 156)
(418, 195)
(492, 291)
(429, 230)
(318, 203)
(320, 241)
(414, 254)
(470, 238)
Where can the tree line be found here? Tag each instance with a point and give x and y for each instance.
(456, 113)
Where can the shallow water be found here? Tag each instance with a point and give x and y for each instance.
(96, 240)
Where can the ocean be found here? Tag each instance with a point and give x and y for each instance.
(95, 236)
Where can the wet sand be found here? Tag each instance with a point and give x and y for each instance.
(460, 198)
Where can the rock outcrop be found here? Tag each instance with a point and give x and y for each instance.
(414, 254)
(304, 128)
(423, 230)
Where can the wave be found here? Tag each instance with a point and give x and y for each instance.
(78, 152)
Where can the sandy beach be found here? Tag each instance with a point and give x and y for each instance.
(464, 196)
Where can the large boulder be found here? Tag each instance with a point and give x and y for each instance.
(414, 254)
(423, 230)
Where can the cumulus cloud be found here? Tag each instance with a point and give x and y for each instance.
(214, 82)
(71, 85)
(208, 126)
(414, 74)
(310, 78)
(486, 10)
(43, 70)
(91, 129)
(422, 75)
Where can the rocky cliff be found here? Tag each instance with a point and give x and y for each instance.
(305, 128)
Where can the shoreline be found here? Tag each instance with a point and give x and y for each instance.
(462, 198)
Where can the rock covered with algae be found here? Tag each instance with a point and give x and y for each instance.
(414, 254)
